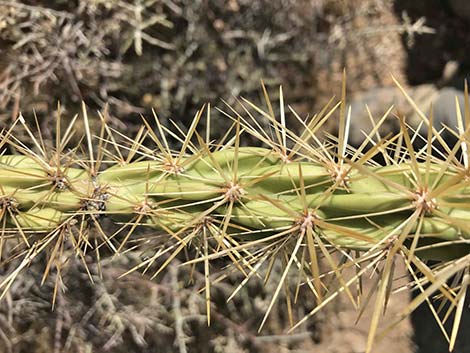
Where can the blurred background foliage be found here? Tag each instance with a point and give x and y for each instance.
(130, 56)
(174, 55)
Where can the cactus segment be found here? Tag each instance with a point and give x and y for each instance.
(301, 199)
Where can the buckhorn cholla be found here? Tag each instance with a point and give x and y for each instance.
(299, 200)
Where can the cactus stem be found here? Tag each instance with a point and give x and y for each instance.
(301, 201)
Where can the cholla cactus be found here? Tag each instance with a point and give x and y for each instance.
(301, 200)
